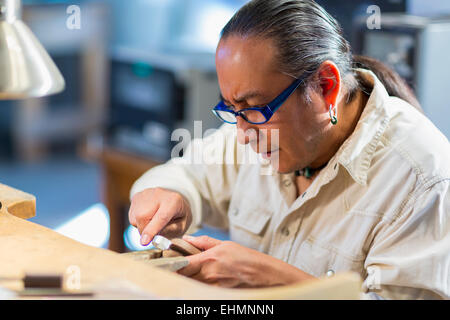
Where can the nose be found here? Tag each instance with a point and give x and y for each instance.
(246, 132)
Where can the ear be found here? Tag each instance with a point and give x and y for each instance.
(330, 82)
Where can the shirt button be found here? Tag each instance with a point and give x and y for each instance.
(287, 183)
(235, 212)
(285, 231)
(330, 273)
(264, 162)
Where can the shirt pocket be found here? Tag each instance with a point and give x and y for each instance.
(318, 259)
(248, 226)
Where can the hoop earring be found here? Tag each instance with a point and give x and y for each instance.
(333, 114)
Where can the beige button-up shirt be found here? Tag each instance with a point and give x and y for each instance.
(381, 206)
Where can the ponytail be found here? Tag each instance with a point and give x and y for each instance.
(395, 85)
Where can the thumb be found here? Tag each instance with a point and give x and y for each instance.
(202, 242)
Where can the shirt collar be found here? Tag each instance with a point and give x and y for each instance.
(356, 153)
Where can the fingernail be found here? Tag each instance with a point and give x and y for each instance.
(186, 237)
(145, 239)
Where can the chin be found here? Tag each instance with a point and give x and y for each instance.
(284, 171)
(283, 168)
(283, 165)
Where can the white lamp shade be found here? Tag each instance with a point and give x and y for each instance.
(26, 69)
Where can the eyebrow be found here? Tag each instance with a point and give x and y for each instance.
(254, 94)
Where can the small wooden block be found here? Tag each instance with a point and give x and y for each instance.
(171, 253)
(184, 247)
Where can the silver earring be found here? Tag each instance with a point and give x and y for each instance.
(333, 114)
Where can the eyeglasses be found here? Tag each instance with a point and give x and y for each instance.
(256, 115)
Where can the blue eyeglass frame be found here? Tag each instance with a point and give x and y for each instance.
(268, 110)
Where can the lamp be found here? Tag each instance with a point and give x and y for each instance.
(26, 69)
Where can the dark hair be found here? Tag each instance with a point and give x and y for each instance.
(395, 85)
(306, 35)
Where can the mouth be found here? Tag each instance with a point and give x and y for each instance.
(269, 155)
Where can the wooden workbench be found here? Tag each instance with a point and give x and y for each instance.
(29, 247)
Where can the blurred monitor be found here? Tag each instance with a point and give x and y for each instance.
(146, 104)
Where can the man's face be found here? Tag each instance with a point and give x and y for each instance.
(248, 77)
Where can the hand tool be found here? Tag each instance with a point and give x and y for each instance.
(176, 244)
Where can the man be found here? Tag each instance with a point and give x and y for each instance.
(361, 177)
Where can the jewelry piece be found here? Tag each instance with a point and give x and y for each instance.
(333, 116)
(308, 172)
(330, 273)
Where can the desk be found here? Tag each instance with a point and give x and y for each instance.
(120, 170)
(30, 247)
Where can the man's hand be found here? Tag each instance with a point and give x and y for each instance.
(228, 264)
(159, 211)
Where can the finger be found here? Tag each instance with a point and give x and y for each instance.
(143, 218)
(198, 276)
(194, 266)
(166, 214)
(202, 242)
(157, 223)
(132, 215)
(141, 211)
(132, 218)
(224, 282)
